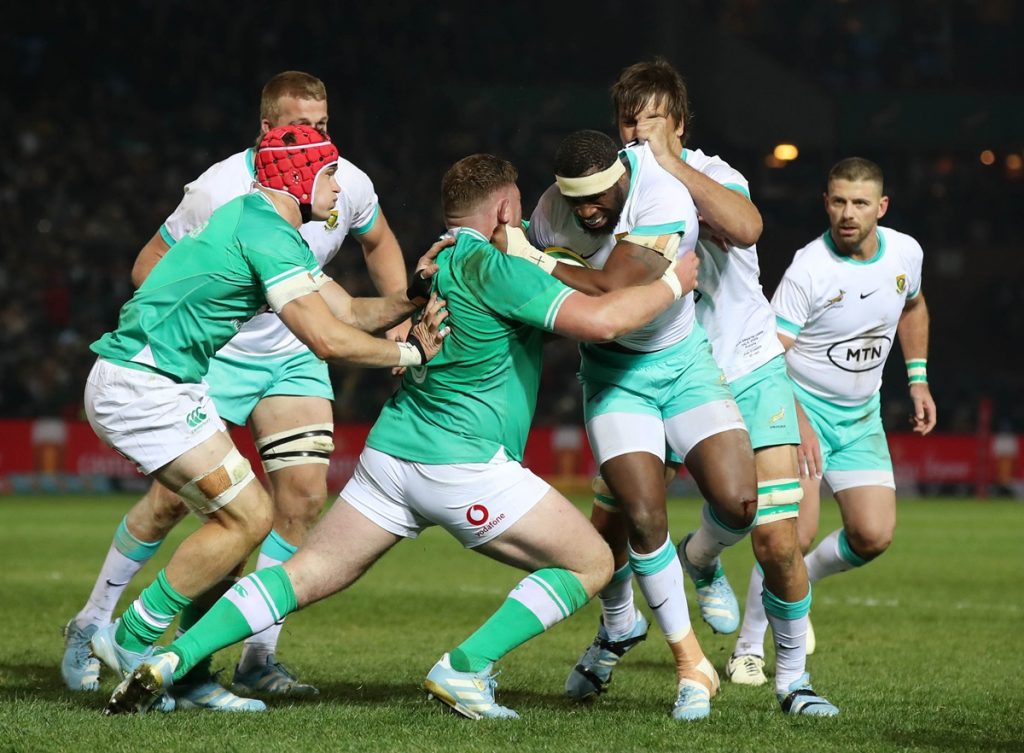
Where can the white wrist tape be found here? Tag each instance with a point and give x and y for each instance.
(519, 246)
(670, 279)
(408, 355)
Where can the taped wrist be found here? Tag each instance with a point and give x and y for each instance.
(519, 246)
(411, 353)
(670, 279)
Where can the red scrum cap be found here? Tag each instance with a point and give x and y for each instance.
(290, 158)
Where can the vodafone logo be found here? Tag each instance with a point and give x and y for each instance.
(477, 514)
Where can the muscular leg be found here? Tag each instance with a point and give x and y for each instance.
(869, 520)
(342, 546)
(136, 540)
(785, 596)
(637, 481)
(297, 467)
(206, 556)
(567, 563)
(755, 621)
(723, 467)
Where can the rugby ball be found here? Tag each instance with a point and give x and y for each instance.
(566, 256)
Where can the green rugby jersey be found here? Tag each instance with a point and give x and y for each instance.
(479, 393)
(206, 287)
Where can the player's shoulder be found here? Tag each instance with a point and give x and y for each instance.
(714, 167)
(905, 245)
(349, 174)
(813, 255)
(258, 223)
(550, 202)
(226, 179)
(652, 183)
(698, 160)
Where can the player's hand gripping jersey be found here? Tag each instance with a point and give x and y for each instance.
(843, 314)
(657, 204)
(478, 396)
(355, 211)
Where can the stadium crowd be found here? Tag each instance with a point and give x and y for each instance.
(99, 156)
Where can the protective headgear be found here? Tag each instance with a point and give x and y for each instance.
(289, 159)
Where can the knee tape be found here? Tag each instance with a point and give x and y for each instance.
(299, 446)
(603, 497)
(778, 499)
(212, 490)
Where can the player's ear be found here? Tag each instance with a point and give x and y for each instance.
(883, 206)
(504, 212)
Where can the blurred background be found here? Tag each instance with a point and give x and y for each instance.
(110, 110)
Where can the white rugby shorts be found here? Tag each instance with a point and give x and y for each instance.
(147, 417)
(475, 502)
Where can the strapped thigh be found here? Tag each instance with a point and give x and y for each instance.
(210, 491)
(302, 445)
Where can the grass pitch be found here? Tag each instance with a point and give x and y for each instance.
(921, 650)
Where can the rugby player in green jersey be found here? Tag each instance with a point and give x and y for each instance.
(146, 396)
(447, 450)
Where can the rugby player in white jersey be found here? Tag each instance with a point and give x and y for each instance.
(146, 396)
(627, 218)
(446, 451)
(265, 378)
(844, 297)
(652, 107)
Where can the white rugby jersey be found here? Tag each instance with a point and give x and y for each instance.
(843, 314)
(730, 303)
(356, 211)
(657, 204)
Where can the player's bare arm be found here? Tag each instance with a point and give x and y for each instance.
(367, 314)
(386, 265)
(912, 331)
(311, 320)
(614, 314)
(383, 256)
(628, 264)
(150, 254)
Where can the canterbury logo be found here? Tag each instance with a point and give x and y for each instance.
(195, 418)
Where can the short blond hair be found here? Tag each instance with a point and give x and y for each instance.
(289, 84)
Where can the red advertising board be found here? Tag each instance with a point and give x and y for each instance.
(49, 446)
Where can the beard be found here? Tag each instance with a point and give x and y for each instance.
(606, 229)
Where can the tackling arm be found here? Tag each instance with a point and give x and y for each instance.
(311, 320)
(614, 314)
(725, 211)
(150, 254)
(628, 265)
(366, 314)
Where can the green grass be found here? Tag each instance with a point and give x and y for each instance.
(922, 651)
